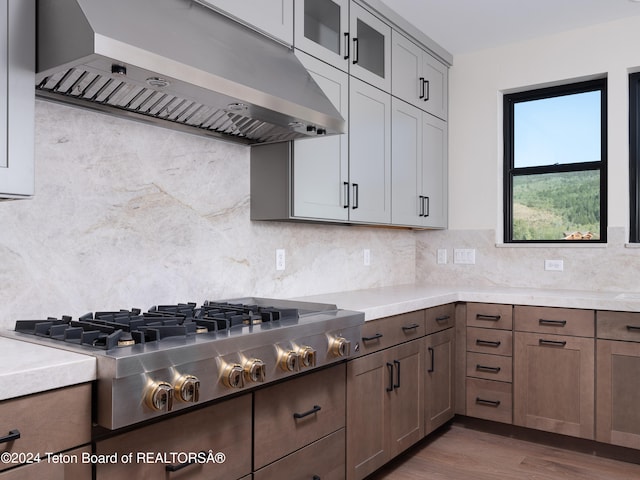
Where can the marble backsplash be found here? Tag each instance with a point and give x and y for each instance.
(131, 215)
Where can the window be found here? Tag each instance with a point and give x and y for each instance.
(555, 164)
(634, 157)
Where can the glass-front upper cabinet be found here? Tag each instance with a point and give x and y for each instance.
(346, 36)
(322, 30)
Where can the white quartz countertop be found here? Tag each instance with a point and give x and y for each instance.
(29, 368)
(386, 301)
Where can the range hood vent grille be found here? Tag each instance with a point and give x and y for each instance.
(86, 88)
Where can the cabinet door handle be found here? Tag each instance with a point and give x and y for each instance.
(390, 367)
(13, 435)
(421, 81)
(346, 46)
(425, 209)
(180, 466)
(346, 194)
(426, 95)
(443, 318)
(633, 328)
(552, 343)
(355, 51)
(413, 326)
(488, 343)
(433, 360)
(491, 318)
(484, 368)
(315, 409)
(552, 323)
(491, 403)
(421, 200)
(373, 337)
(356, 189)
(397, 364)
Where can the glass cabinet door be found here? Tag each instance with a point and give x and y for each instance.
(370, 48)
(322, 30)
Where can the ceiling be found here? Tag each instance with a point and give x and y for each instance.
(463, 26)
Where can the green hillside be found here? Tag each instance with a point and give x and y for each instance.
(547, 206)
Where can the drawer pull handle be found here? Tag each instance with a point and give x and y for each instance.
(491, 318)
(13, 435)
(488, 343)
(491, 403)
(390, 367)
(552, 323)
(315, 409)
(552, 343)
(397, 364)
(484, 368)
(443, 318)
(374, 337)
(433, 360)
(180, 466)
(633, 328)
(413, 326)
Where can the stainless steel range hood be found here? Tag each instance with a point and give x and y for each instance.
(179, 64)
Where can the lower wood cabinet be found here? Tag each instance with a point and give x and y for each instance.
(384, 406)
(439, 379)
(71, 468)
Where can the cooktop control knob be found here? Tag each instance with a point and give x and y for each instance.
(233, 376)
(289, 361)
(307, 356)
(340, 346)
(255, 370)
(188, 388)
(160, 396)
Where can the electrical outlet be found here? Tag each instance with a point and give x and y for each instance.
(464, 256)
(442, 256)
(554, 265)
(280, 259)
(366, 255)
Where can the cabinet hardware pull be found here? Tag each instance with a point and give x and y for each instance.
(443, 318)
(488, 343)
(315, 409)
(421, 88)
(397, 363)
(13, 435)
(483, 368)
(433, 360)
(346, 194)
(390, 367)
(355, 51)
(421, 200)
(413, 326)
(633, 328)
(346, 45)
(554, 323)
(426, 98)
(491, 403)
(553, 343)
(425, 200)
(373, 337)
(356, 189)
(491, 318)
(180, 466)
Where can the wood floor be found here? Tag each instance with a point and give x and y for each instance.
(461, 453)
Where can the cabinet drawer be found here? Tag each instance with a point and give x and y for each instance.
(489, 400)
(296, 413)
(490, 315)
(42, 424)
(323, 459)
(486, 340)
(71, 467)
(560, 321)
(490, 367)
(440, 318)
(390, 331)
(223, 427)
(618, 326)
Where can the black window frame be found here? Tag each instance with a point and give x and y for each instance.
(634, 157)
(509, 101)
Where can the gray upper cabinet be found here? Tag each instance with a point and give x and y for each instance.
(419, 167)
(17, 100)
(418, 78)
(272, 17)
